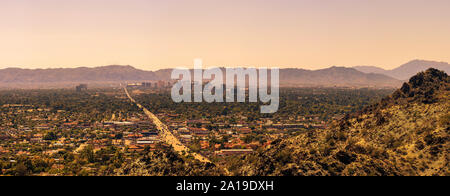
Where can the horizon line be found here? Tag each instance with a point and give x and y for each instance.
(244, 66)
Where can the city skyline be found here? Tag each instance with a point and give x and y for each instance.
(154, 35)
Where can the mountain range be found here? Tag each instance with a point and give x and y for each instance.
(361, 76)
(407, 70)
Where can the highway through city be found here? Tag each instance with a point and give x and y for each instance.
(166, 135)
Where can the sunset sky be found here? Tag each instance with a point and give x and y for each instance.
(155, 34)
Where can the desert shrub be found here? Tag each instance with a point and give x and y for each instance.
(420, 145)
(444, 121)
(345, 157)
(284, 156)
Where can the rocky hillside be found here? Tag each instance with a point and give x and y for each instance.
(405, 134)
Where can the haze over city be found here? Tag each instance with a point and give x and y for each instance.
(153, 35)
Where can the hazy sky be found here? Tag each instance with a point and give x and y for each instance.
(154, 34)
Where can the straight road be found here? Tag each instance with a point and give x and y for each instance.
(166, 135)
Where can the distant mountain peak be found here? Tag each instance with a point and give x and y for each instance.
(424, 61)
(408, 69)
(117, 66)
